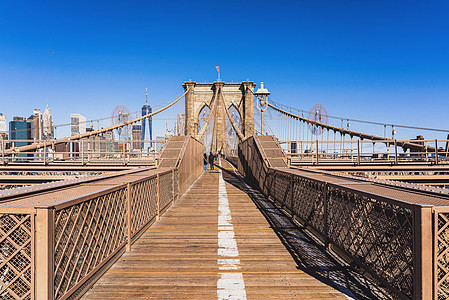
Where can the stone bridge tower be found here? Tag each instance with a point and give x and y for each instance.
(238, 94)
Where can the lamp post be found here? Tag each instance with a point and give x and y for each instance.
(262, 103)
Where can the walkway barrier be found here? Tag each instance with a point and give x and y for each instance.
(190, 164)
(186, 154)
(397, 235)
(58, 250)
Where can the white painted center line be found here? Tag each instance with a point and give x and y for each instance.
(231, 284)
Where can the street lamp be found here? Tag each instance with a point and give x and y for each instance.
(262, 102)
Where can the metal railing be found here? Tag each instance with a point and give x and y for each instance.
(84, 151)
(399, 236)
(365, 151)
(17, 259)
(67, 243)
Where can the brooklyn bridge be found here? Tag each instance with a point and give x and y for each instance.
(312, 211)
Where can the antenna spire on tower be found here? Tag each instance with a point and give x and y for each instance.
(146, 96)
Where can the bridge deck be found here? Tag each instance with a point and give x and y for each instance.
(213, 242)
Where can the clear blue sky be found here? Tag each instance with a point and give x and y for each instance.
(385, 61)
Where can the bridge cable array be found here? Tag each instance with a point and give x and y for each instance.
(351, 133)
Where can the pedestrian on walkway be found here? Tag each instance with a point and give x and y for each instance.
(205, 161)
(211, 160)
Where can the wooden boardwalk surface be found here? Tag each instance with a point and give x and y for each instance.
(212, 243)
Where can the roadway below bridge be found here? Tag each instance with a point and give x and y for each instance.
(223, 239)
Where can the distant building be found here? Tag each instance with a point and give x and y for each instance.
(2, 123)
(147, 125)
(3, 137)
(136, 135)
(146, 109)
(110, 144)
(19, 131)
(180, 125)
(36, 125)
(19, 119)
(48, 127)
(77, 124)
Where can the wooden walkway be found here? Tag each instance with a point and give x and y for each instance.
(212, 243)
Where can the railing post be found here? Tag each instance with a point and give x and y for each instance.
(53, 151)
(129, 214)
(436, 151)
(158, 195)
(358, 152)
(82, 152)
(395, 152)
(423, 259)
(45, 234)
(317, 159)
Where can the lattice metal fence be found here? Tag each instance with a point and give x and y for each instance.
(143, 202)
(441, 249)
(87, 234)
(372, 230)
(165, 189)
(176, 183)
(311, 208)
(376, 232)
(15, 256)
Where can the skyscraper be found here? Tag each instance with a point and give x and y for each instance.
(2, 123)
(36, 125)
(136, 135)
(146, 109)
(19, 132)
(48, 127)
(77, 124)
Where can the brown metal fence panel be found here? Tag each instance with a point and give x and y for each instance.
(311, 207)
(165, 189)
(15, 256)
(190, 164)
(441, 252)
(176, 183)
(377, 233)
(143, 202)
(373, 231)
(86, 235)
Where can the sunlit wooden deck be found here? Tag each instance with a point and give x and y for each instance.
(212, 243)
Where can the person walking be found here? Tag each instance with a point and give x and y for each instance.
(205, 161)
(211, 160)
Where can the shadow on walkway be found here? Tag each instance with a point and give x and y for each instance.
(310, 256)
